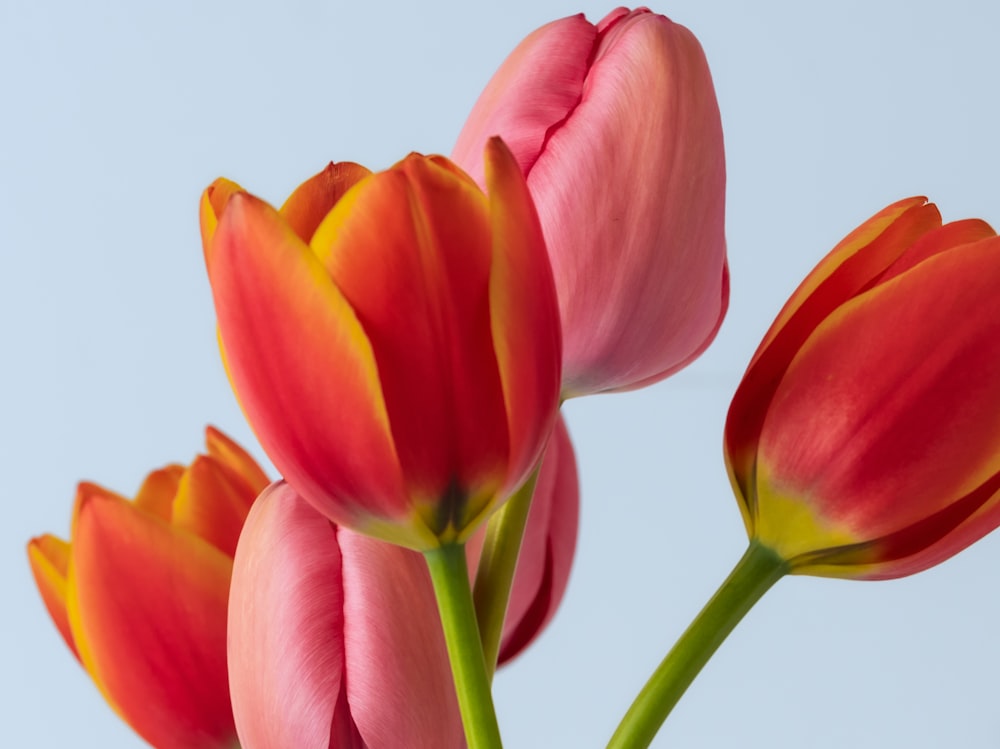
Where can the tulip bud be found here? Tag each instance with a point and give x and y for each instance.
(397, 348)
(617, 130)
(864, 439)
(140, 593)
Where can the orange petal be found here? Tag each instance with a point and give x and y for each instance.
(302, 367)
(156, 495)
(524, 314)
(212, 503)
(213, 203)
(306, 208)
(230, 454)
(410, 250)
(49, 559)
(149, 602)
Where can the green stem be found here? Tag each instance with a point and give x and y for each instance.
(450, 576)
(755, 573)
(497, 563)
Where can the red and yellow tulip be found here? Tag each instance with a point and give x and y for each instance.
(140, 593)
(617, 130)
(864, 439)
(393, 339)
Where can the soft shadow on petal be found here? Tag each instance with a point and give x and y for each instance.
(286, 658)
(399, 684)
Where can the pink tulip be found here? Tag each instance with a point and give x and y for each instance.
(336, 636)
(547, 550)
(335, 640)
(617, 130)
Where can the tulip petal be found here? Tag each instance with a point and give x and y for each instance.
(915, 548)
(49, 559)
(156, 495)
(633, 208)
(286, 657)
(212, 503)
(234, 457)
(213, 202)
(933, 357)
(543, 566)
(535, 89)
(863, 255)
(149, 604)
(525, 314)
(936, 241)
(409, 250)
(302, 366)
(306, 208)
(847, 269)
(399, 683)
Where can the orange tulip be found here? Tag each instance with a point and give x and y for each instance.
(864, 439)
(140, 593)
(393, 339)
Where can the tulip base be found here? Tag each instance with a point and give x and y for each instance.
(450, 576)
(755, 573)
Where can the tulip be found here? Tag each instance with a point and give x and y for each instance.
(140, 593)
(324, 620)
(396, 346)
(864, 439)
(335, 640)
(547, 549)
(618, 133)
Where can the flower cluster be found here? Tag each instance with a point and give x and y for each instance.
(401, 343)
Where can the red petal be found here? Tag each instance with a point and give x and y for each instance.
(302, 367)
(409, 248)
(148, 609)
(524, 312)
(850, 267)
(879, 420)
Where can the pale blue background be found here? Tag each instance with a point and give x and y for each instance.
(116, 115)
